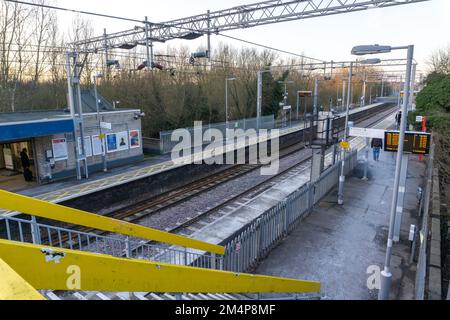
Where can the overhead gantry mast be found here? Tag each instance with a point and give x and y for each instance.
(240, 17)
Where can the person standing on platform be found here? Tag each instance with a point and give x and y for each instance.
(28, 175)
(377, 145)
(398, 119)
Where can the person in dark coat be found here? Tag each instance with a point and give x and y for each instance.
(398, 118)
(377, 145)
(25, 159)
(28, 175)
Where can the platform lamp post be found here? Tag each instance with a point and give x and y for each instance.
(259, 98)
(105, 165)
(386, 275)
(285, 97)
(226, 103)
(347, 115)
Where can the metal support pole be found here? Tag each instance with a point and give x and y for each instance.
(106, 68)
(105, 166)
(401, 198)
(413, 85)
(71, 97)
(209, 38)
(259, 99)
(81, 126)
(342, 176)
(400, 92)
(316, 97)
(69, 85)
(386, 275)
(148, 44)
(226, 106)
(382, 87)
(35, 233)
(298, 105)
(366, 160)
(343, 96)
(363, 99)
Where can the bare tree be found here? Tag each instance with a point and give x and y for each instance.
(439, 61)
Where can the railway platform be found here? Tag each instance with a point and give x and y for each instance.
(60, 192)
(338, 245)
(242, 214)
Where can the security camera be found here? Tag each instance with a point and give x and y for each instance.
(137, 116)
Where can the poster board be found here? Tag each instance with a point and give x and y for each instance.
(111, 143)
(122, 141)
(135, 139)
(59, 147)
(87, 146)
(98, 145)
(7, 155)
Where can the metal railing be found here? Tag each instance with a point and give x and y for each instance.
(22, 230)
(424, 206)
(251, 245)
(167, 145)
(242, 253)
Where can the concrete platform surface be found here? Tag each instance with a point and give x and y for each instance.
(337, 244)
(245, 213)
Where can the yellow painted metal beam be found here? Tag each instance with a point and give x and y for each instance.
(62, 269)
(39, 208)
(14, 287)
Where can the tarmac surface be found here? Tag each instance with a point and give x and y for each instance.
(338, 245)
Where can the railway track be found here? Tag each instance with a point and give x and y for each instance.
(261, 187)
(155, 204)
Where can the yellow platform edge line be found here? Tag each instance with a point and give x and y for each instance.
(48, 268)
(14, 287)
(39, 208)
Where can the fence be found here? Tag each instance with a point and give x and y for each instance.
(22, 230)
(167, 145)
(242, 253)
(424, 206)
(248, 247)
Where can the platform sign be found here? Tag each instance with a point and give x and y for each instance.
(106, 125)
(59, 147)
(367, 133)
(345, 145)
(415, 142)
(304, 94)
(419, 119)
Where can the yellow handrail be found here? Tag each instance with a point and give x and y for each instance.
(39, 208)
(69, 270)
(14, 287)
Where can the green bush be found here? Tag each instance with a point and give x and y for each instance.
(434, 101)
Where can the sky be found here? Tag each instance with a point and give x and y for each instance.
(424, 24)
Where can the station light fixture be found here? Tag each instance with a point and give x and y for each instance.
(370, 49)
(370, 61)
(110, 63)
(386, 275)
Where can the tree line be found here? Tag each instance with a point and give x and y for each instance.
(33, 75)
(433, 101)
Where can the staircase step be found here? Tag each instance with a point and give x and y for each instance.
(52, 296)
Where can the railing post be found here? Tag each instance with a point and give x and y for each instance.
(127, 247)
(213, 260)
(185, 256)
(35, 232)
(285, 217)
